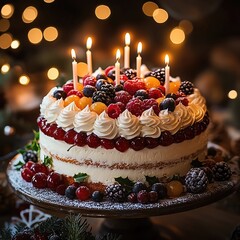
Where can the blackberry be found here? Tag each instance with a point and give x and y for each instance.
(159, 74)
(221, 171)
(101, 96)
(130, 73)
(196, 180)
(186, 87)
(30, 155)
(108, 89)
(115, 193)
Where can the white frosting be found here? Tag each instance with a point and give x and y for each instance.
(186, 118)
(150, 124)
(53, 110)
(47, 101)
(198, 99)
(129, 125)
(105, 127)
(84, 120)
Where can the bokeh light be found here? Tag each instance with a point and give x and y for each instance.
(35, 35)
(15, 44)
(50, 34)
(4, 25)
(5, 40)
(5, 68)
(177, 36)
(29, 14)
(160, 15)
(232, 94)
(49, 1)
(53, 73)
(102, 12)
(24, 80)
(7, 10)
(186, 26)
(148, 8)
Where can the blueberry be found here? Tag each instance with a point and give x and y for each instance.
(161, 189)
(70, 192)
(168, 103)
(59, 94)
(101, 76)
(88, 90)
(139, 186)
(111, 74)
(142, 94)
(97, 196)
(99, 83)
(171, 95)
(118, 88)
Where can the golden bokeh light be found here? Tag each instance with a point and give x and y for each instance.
(177, 36)
(5, 68)
(35, 35)
(29, 14)
(148, 8)
(4, 25)
(50, 34)
(7, 10)
(160, 15)
(49, 1)
(24, 80)
(186, 26)
(53, 73)
(102, 12)
(232, 94)
(5, 40)
(15, 44)
(82, 69)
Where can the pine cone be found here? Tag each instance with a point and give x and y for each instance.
(115, 193)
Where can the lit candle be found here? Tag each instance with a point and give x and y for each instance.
(127, 51)
(89, 55)
(139, 60)
(117, 68)
(167, 75)
(74, 69)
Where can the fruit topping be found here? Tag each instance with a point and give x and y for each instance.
(186, 87)
(70, 192)
(138, 186)
(135, 106)
(166, 138)
(121, 144)
(143, 196)
(168, 103)
(88, 90)
(174, 189)
(39, 180)
(130, 73)
(93, 141)
(59, 94)
(70, 99)
(221, 171)
(151, 82)
(97, 196)
(114, 110)
(137, 143)
(109, 90)
(159, 74)
(30, 155)
(99, 83)
(83, 193)
(182, 100)
(142, 94)
(75, 92)
(83, 102)
(101, 96)
(131, 86)
(80, 139)
(89, 80)
(27, 174)
(54, 180)
(98, 107)
(155, 93)
(161, 190)
(148, 103)
(123, 97)
(107, 143)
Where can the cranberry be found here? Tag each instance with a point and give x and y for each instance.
(36, 168)
(107, 143)
(162, 89)
(113, 110)
(60, 189)
(39, 180)
(182, 100)
(27, 174)
(45, 128)
(68, 87)
(59, 134)
(122, 144)
(137, 143)
(80, 139)
(75, 92)
(29, 164)
(151, 142)
(189, 132)
(53, 180)
(69, 136)
(51, 129)
(153, 196)
(143, 196)
(93, 141)
(179, 136)
(132, 197)
(40, 121)
(166, 138)
(197, 128)
(83, 193)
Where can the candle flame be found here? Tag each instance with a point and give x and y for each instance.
(73, 54)
(118, 54)
(127, 39)
(139, 49)
(166, 59)
(89, 42)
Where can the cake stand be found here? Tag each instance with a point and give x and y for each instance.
(129, 219)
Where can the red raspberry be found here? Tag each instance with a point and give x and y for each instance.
(155, 93)
(123, 78)
(182, 100)
(80, 139)
(69, 136)
(51, 129)
(162, 89)
(39, 180)
(27, 174)
(39, 168)
(59, 134)
(131, 86)
(166, 138)
(53, 180)
(61, 189)
(135, 106)
(148, 103)
(122, 144)
(28, 164)
(68, 87)
(83, 193)
(137, 143)
(75, 92)
(93, 141)
(121, 105)
(179, 136)
(113, 110)
(151, 142)
(107, 143)
(89, 80)
(123, 97)
(143, 196)
(108, 69)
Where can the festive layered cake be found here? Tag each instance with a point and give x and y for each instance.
(130, 129)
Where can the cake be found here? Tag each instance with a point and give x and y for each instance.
(130, 130)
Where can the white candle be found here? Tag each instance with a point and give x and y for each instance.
(74, 69)
(117, 68)
(167, 75)
(139, 60)
(89, 55)
(127, 51)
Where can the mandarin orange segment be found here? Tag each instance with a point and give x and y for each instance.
(70, 99)
(83, 102)
(151, 82)
(98, 107)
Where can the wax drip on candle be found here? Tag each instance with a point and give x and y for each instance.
(127, 51)
(89, 55)
(74, 69)
(139, 60)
